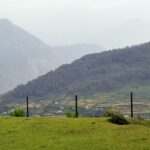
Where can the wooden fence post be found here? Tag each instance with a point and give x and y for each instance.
(131, 105)
(76, 105)
(27, 106)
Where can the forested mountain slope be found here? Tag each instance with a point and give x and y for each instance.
(95, 73)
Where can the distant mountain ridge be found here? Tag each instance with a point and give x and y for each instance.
(92, 74)
(68, 53)
(25, 57)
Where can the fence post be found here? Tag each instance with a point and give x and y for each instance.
(131, 105)
(76, 105)
(27, 106)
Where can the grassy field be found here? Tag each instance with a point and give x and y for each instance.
(72, 134)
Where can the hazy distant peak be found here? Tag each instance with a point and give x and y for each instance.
(23, 56)
(5, 21)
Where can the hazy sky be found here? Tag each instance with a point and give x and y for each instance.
(60, 22)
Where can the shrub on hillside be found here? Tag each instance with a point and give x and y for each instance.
(17, 113)
(109, 112)
(116, 117)
(71, 114)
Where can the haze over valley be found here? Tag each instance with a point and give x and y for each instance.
(72, 46)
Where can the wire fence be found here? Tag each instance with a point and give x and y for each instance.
(129, 104)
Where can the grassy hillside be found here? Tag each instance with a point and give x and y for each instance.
(72, 134)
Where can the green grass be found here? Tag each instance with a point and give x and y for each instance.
(72, 134)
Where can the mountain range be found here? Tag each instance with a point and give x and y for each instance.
(92, 74)
(25, 57)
